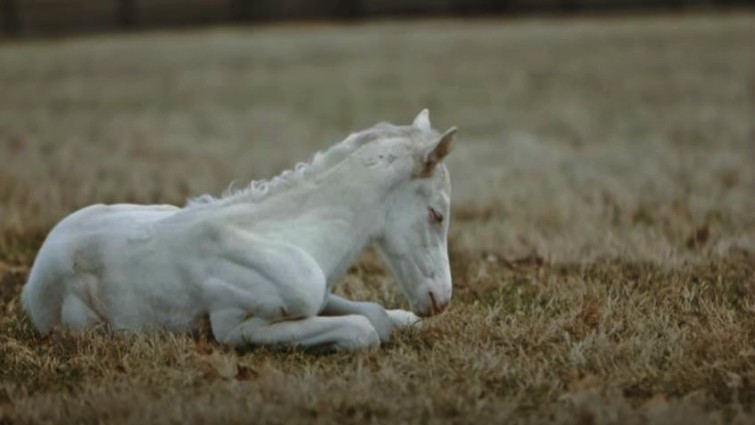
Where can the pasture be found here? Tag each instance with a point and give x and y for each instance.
(602, 238)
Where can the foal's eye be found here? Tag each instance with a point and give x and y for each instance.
(435, 215)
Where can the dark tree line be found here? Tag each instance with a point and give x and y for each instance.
(129, 14)
(10, 16)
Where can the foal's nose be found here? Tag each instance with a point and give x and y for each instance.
(437, 305)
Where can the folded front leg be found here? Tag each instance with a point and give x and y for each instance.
(342, 333)
(381, 319)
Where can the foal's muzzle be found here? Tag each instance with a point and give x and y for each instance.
(435, 303)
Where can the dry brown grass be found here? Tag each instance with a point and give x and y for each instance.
(603, 238)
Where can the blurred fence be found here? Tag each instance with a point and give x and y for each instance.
(35, 17)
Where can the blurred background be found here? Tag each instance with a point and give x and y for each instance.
(602, 237)
(589, 129)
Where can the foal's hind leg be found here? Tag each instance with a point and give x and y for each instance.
(342, 333)
(75, 314)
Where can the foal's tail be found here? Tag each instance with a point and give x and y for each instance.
(42, 296)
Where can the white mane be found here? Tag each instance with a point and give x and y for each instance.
(258, 190)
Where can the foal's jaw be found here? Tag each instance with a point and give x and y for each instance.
(427, 296)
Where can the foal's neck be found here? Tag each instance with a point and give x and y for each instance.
(353, 205)
(332, 217)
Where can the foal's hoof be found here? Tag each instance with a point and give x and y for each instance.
(403, 318)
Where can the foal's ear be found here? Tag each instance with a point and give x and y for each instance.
(434, 153)
(422, 121)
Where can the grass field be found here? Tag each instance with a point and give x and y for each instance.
(603, 235)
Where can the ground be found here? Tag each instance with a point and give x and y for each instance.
(603, 226)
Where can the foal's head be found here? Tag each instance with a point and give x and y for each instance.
(414, 241)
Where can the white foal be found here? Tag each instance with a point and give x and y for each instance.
(262, 262)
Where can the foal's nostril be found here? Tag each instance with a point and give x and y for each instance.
(434, 305)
